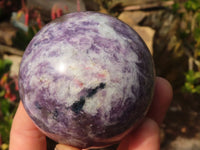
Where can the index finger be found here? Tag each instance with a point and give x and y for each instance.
(162, 98)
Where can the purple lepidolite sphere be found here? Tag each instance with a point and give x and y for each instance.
(86, 79)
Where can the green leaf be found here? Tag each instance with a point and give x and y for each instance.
(188, 86)
(6, 119)
(192, 5)
(198, 19)
(5, 65)
(198, 52)
(5, 106)
(22, 38)
(2, 93)
(192, 82)
(197, 89)
(197, 75)
(175, 7)
(197, 34)
(190, 76)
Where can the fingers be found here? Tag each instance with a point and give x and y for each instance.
(145, 137)
(24, 135)
(162, 98)
(65, 147)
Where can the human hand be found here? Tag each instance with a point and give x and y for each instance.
(26, 136)
(147, 135)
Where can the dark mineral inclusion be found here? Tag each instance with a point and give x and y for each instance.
(77, 106)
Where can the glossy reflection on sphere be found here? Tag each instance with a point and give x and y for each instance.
(86, 79)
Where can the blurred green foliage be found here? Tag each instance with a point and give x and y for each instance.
(8, 102)
(188, 41)
(22, 38)
(192, 5)
(5, 119)
(4, 66)
(192, 83)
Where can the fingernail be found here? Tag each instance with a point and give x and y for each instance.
(65, 147)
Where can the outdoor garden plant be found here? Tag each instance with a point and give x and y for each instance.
(8, 101)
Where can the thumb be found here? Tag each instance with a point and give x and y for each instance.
(65, 147)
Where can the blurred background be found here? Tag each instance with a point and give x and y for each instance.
(170, 28)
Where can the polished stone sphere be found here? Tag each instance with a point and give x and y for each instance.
(86, 79)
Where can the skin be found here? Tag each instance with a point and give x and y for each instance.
(24, 135)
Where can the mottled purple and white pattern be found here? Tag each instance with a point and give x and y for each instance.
(86, 78)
